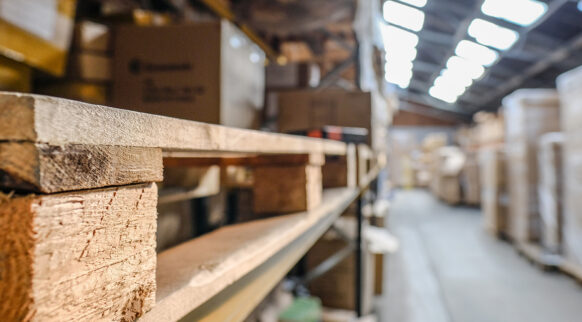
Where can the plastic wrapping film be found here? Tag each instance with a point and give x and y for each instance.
(529, 113)
(493, 189)
(549, 189)
(570, 89)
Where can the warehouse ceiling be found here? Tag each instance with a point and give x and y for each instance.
(543, 47)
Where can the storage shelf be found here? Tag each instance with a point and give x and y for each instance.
(225, 274)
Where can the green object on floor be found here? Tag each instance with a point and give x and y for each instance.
(303, 309)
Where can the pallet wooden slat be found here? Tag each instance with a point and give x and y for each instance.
(74, 256)
(192, 273)
(56, 121)
(44, 168)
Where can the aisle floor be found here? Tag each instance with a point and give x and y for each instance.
(449, 269)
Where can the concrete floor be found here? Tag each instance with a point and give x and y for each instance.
(449, 269)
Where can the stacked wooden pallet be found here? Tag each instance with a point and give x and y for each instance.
(79, 213)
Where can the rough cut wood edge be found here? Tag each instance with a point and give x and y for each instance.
(42, 168)
(57, 121)
(78, 256)
(190, 274)
(255, 160)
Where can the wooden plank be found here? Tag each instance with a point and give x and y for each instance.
(281, 189)
(55, 121)
(340, 170)
(44, 168)
(78, 256)
(194, 272)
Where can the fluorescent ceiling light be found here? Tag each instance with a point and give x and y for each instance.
(403, 15)
(461, 66)
(490, 34)
(521, 12)
(474, 52)
(400, 53)
(416, 3)
(394, 36)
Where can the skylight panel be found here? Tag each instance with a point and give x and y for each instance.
(461, 66)
(403, 15)
(394, 36)
(399, 72)
(521, 12)
(476, 53)
(443, 94)
(400, 53)
(416, 3)
(490, 34)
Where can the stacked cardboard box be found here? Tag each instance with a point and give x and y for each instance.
(88, 72)
(550, 190)
(569, 86)
(529, 113)
(213, 72)
(445, 184)
(494, 195)
(470, 179)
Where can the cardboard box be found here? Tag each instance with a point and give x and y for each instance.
(306, 110)
(336, 287)
(90, 67)
(209, 72)
(37, 32)
(292, 76)
(494, 195)
(529, 113)
(446, 184)
(470, 179)
(92, 37)
(570, 90)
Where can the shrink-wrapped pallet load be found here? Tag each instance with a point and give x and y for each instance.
(550, 190)
(569, 87)
(529, 113)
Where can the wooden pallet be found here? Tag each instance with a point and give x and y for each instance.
(536, 255)
(80, 229)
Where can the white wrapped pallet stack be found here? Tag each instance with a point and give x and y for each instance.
(569, 87)
(529, 113)
(550, 190)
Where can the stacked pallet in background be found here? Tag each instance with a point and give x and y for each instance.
(550, 190)
(529, 113)
(569, 87)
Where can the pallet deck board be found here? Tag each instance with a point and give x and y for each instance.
(194, 272)
(42, 168)
(56, 121)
